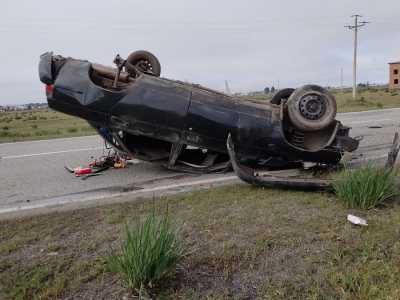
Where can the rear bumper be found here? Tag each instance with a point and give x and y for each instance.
(46, 68)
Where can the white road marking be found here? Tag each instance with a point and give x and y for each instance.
(369, 111)
(51, 140)
(50, 153)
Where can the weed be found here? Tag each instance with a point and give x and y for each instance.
(8, 247)
(34, 126)
(42, 281)
(365, 187)
(149, 253)
(6, 127)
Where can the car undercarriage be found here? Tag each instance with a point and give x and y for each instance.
(190, 128)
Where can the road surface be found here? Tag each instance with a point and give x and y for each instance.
(33, 175)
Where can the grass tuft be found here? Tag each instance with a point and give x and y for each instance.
(148, 254)
(365, 187)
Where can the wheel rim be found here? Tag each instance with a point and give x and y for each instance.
(145, 66)
(312, 106)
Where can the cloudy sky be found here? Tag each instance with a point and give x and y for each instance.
(252, 44)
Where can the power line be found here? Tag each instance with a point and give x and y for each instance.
(357, 24)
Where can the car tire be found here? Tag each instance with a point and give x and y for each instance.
(143, 61)
(283, 94)
(311, 108)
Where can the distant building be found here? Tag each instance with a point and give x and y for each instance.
(394, 75)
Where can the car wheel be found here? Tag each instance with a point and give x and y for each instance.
(143, 61)
(311, 108)
(283, 94)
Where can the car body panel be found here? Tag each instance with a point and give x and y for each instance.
(156, 114)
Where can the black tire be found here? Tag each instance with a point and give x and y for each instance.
(143, 61)
(283, 94)
(311, 108)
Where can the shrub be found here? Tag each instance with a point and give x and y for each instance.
(365, 187)
(6, 127)
(34, 126)
(149, 253)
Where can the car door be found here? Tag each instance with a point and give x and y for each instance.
(154, 107)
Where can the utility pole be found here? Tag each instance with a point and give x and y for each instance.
(357, 24)
(227, 89)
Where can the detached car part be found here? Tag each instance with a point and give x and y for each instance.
(186, 126)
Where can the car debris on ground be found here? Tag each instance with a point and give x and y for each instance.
(96, 167)
(356, 220)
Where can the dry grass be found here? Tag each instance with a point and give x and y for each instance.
(40, 124)
(243, 243)
(368, 99)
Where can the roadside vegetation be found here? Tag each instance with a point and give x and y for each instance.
(150, 252)
(366, 187)
(40, 124)
(241, 242)
(368, 99)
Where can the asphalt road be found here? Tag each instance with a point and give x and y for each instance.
(33, 175)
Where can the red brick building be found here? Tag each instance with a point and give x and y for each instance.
(394, 75)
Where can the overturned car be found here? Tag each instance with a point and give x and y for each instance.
(191, 128)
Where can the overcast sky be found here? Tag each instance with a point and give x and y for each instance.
(252, 44)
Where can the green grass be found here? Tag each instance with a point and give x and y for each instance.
(368, 99)
(366, 187)
(149, 254)
(40, 124)
(243, 242)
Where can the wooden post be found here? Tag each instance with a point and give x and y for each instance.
(394, 151)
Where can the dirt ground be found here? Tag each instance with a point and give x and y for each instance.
(242, 243)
